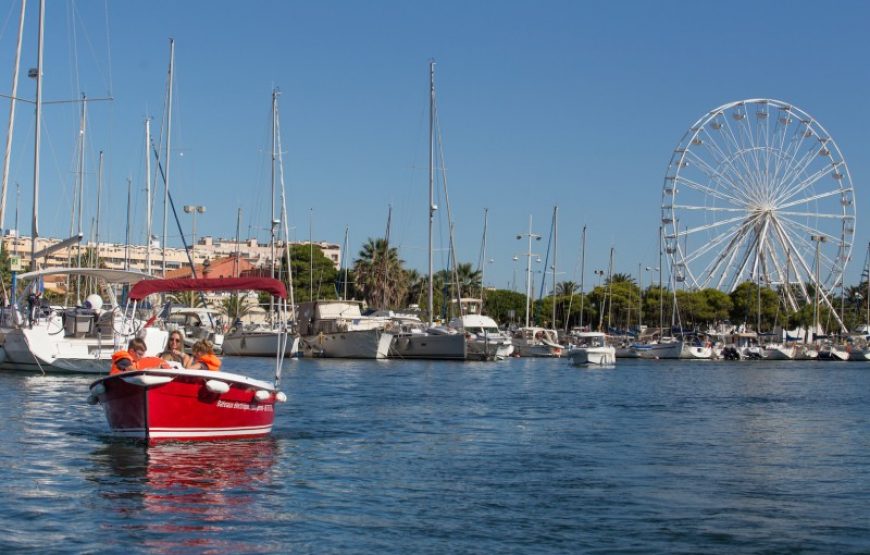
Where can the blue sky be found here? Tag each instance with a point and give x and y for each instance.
(573, 104)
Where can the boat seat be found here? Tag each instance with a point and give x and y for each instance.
(78, 322)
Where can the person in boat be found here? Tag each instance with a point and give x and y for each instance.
(134, 358)
(204, 357)
(175, 350)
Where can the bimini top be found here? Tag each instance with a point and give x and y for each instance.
(126, 277)
(148, 287)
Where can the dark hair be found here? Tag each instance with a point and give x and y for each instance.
(137, 343)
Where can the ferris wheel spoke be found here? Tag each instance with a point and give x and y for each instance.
(712, 244)
(807, 182)
(708, 208)
(704, 189)
(739, 148)
(724, 161)
(814, 215)
(713, 225)
(792, 249)
(813, 198)
(794, 171)
(808, 231)
(725, 260)
(714, 174)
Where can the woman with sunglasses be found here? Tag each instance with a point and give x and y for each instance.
(175, 350)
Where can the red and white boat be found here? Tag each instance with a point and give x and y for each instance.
(182, 405)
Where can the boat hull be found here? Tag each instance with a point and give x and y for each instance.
(600, 356)
(428, 346)
(374, 343)
(480, 349)
(257, 344)
(659, 350)
(183, 405)
(38, 350)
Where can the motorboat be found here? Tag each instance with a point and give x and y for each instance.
(483, 339)
(80, 339)
(338, 329)
(537, 342)
(177, 404)
(592, 348)
(833, 351)
(666, 348)
(197, 323)
(778, 351)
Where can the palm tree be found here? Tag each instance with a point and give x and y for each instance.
(565, 288)
(379, 275)
(190, 299)
(468, 280)
(235, 307)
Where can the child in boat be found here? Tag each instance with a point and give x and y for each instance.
(204, 357)
(175, 350)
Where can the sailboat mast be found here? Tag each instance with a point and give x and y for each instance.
(661, 294)
(385, 258)
(127, 234)
(11, 127)
(431, 181)
(148, 230)
(34, 226)
(99, 204)
(81, 191)
(529, 274)
(555, 238)
(272, 196)
(483, 261)
(238, 246)
(168, 151)
(582, 274)
(344, 264)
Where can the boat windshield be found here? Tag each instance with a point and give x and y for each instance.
(491, 330)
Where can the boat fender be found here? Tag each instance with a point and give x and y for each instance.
(217, 386)
(98, 389)
(262, 395)
(281, 397)
(92, 399)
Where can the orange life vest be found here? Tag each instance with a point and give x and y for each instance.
(141, 364)
(210, 361)
(151, 362)
(116, 358)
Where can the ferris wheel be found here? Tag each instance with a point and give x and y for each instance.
(758, 191)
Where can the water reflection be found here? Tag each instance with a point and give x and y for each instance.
(177, 495)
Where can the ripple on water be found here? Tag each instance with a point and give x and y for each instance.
(522, 456)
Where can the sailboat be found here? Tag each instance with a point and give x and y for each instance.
(414, 339)
(258, 340)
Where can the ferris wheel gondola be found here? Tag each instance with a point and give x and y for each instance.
(757, 190)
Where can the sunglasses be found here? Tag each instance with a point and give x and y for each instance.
(174, 340)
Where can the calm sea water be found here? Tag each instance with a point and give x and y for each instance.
(521, 456)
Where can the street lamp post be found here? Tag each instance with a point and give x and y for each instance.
(529, 254)
(650, 270)
(193, 209)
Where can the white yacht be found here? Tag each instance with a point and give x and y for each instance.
(45, 338)
(338, 329)
(537, 342)
(592, 348)
(484, 341)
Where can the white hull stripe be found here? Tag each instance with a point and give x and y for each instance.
(192, 432)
